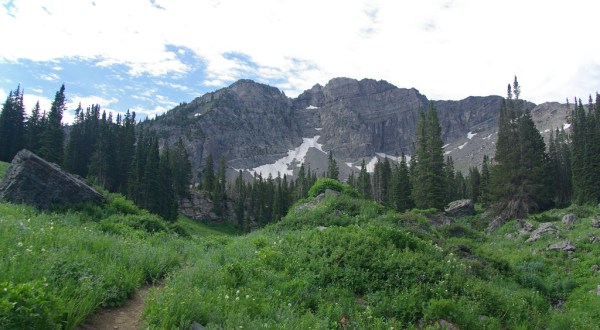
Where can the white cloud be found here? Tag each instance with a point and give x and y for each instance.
(448, 50)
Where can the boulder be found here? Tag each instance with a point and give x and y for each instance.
(525, 227)
(544, 229)
(564, 246)
(569, 219)
(460, 207)
(595, 268)
(35, 181)
(596, 224)
(438, 220)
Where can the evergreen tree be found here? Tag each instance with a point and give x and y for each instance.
(103, 162)
(181, 169)
(219, 194)
(333, 171)
(451, 186)
(585, 158)
(474, 187)
(33, 129)
(485, 181)
(364, 182)
(12, 125)
(52, 138)
(208, 175)
(401, 187)
(301, 183)
(240, 201)
(519, 177)
(429, 172)
(168, 202)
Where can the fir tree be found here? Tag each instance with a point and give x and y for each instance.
(429, 173)
(240, 198)
(333, 171)
(519, 176)
(364, 182)
(33, 129)
(12, 125)
(219, 195)
(168, 202)
(401, 187)
(208, 175)
(181, 169)
(52, 137)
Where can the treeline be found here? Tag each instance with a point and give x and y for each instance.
(112, 152)
(524, 176)
(428, 180)
(257, 201)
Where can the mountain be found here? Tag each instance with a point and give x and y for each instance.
(258, 128)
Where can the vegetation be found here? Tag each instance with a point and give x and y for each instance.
(344, 260)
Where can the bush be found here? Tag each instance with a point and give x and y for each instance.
(28, 306)
(323, 184)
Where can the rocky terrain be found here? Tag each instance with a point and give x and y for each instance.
(259, 129)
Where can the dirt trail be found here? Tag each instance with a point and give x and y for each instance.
(126, 317)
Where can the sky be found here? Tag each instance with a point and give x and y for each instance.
(150, 55)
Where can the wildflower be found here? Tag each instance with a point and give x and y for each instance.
(5, 289)
(344, 320)
(20, 244)
(51, 227)
(226, 296)
(237, 293)
(289, 304)
(237, 298)
(247, 296)
(43, 250)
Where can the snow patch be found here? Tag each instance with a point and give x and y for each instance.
(371, 164)
(319, 128)
(462, 145)
(448, 152)
(311, 107)
(546, 130)
(566, 126)
(470, 135)
(383, 155)
(282, 166)
(445, 146)
(198, 115)
(488, 137)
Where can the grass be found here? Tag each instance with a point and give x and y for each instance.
(342, 263)
(57, 268)
(3, 167)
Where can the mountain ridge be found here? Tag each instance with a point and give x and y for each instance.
(252, 124)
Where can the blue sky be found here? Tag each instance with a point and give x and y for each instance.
(150, 55)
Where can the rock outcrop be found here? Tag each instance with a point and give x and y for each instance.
(563, 246)
(569, 219)
(32, 180)
(199, 206)
(546, 228)
(460, 208)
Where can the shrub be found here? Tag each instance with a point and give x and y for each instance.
(323, 184)
(28, 306)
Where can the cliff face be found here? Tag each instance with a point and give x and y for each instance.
(252, 124)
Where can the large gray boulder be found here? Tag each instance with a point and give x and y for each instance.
(35, 181)
(460, 207)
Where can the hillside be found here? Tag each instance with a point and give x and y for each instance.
(335, 261)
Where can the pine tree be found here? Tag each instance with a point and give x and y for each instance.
(12, 125)
(240, 198)
(474, 188)
(181, 169)
(364, 182)
(485, 181)
(33, 129)
(219, 195)
(401, 187)
(208, 175)
(430, 192)
(52, 137)
(168, 201)
(519, 176)
(333, 171)
(103, 162)
(451, 187)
